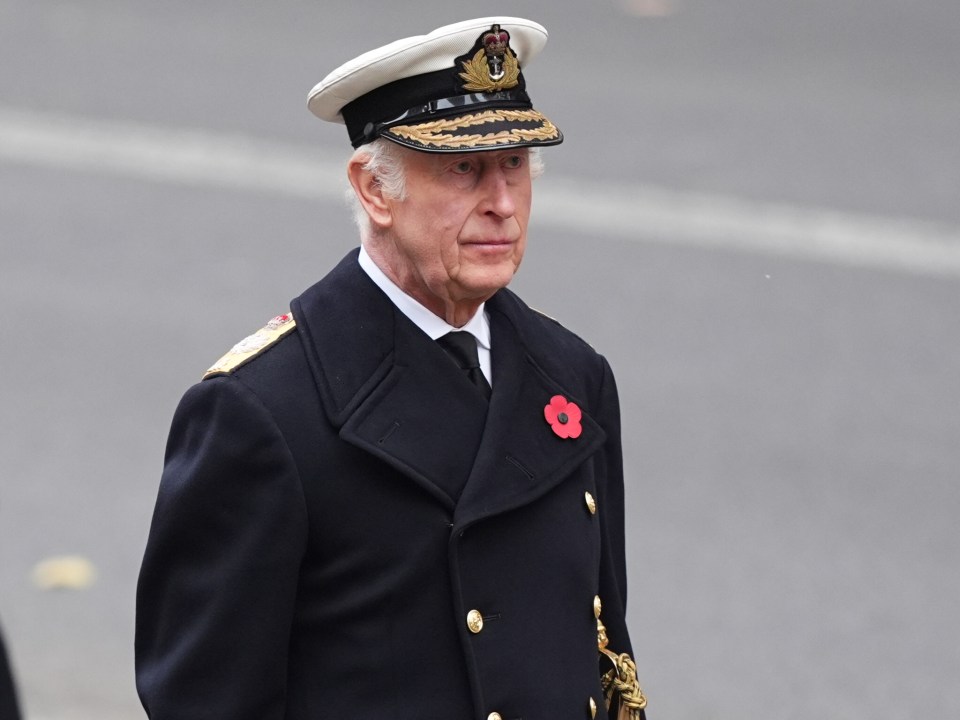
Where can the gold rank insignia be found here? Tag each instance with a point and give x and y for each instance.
(252, 345)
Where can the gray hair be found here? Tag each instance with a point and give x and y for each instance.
(384, 159)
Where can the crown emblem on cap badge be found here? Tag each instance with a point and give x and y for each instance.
(493, 67)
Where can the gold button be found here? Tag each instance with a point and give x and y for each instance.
(494, 716)
(591, 503)
(593, 708)
(597, 606)
(474, 621)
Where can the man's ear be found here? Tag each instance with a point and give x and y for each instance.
(369, 193)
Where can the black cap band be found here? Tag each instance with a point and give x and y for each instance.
(444, 107)
(366, 116)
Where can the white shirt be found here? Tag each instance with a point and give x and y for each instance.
(433, 325)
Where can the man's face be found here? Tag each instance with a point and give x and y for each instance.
(459, 234)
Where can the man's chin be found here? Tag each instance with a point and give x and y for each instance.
(484, 282)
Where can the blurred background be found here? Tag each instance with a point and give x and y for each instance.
(755, 216)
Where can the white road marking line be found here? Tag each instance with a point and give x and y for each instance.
(640, 213)
(178, 156)
(646, 213)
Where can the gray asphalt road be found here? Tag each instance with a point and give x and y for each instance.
(790, 418)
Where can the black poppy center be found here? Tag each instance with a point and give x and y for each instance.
(562, 417)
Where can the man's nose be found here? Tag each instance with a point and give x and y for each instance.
(498, 198)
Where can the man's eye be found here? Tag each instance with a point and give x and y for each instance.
(463, 167)
(514, 161)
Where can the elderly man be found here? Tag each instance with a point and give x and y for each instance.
(403, 498)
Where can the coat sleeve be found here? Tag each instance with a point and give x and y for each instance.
(9, 709)
(217, 588)
(613, 565)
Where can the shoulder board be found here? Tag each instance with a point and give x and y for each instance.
(252, 345)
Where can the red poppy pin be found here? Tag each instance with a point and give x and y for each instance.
(564, 417)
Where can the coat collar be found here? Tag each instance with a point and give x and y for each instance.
(392, 391)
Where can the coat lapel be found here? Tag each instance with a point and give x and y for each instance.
(394, 393)
(424, 418)
(389, 389)
(520, 457)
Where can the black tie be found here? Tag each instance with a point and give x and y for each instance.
(462, 348)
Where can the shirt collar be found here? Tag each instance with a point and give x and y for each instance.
(433, 325)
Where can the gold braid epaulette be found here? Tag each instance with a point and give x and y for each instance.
(621, 688)
(252, 345)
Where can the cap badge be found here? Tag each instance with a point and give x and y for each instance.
(493, 67)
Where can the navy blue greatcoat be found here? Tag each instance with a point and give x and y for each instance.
(332, 510)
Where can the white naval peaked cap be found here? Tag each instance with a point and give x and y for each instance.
(459, 88)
